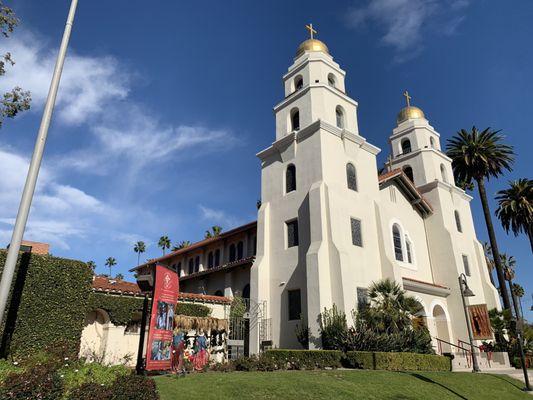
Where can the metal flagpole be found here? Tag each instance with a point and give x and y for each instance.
(33, 172)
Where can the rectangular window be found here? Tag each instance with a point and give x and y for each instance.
(292, 233)
(295, 304)
(362, 298)
(357, 239)
(466, 265)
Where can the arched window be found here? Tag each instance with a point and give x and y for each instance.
(432, 142)
(339, 114)
(217, 257)
(219, 293)
(298, 82)
(290, 178)
(240, 250)
(191, 266)
(197, 264)
(443, 173)
(397, 241)
(295, 120)
(232, 253)
(406, 146)
(332, 80)
(409, 172)
(351, 178)
(210, 260)
(458, 221)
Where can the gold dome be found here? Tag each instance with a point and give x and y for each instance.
(312, 45)
(409, 112)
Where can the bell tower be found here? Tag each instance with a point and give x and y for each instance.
(317, 180)
(314, 90)
(416, 148)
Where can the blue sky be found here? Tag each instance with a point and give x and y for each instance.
(163, 106)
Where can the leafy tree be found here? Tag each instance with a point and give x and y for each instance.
(515, 208)
(16, 100)
(214, 232)
(92, 265)
(518, 290)
(181, 245)
(477, 156)
(139, 248)
(110, 262)
(164, 243)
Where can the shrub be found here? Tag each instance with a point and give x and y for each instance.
(134, 387)
(40, 382)
(333, 328)
(304, 359)
(83, 374)
(7, 368)
(119, 308)
(91, 391)
(47, 304)
(396, 361)
(192, 310)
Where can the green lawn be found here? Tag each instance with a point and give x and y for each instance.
(330, 385)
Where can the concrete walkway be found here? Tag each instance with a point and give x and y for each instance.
(515, 373)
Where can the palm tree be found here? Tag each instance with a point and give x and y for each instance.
(92, 265)
(110, 262)
(392, 310)
(518, 292)
(477, 156)
(214, 232)
(488, 260)
(140, 247)
(164, 243)
(181, 245)
(515, 209)
(119, 277)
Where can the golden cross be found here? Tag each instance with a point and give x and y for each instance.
(311, 30)
(407, 98)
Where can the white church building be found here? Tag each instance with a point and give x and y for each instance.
(329, 224)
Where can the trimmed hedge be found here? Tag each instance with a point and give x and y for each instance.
(192, 310)
(119, 308)
(396, 361)
(305, 359)
(47, 305)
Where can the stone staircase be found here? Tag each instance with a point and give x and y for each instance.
(496, 361)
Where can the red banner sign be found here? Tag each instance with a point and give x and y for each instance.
(165, 297)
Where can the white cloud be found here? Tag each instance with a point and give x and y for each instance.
(88, 84)
(405, 22)
(214, 216)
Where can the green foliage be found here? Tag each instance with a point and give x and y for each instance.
(6, 368)
(125, 387)
(302, 332)
(238, 307)
(40, 382)
(164, 243)
(119, 308)
(515, 207)
(304, 359)
(192, 310)
(214, 232)
(333, 328)
(78, 374)
(47, 304)
(396, 361)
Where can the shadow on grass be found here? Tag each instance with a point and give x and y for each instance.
(428, 380)
(511, 381)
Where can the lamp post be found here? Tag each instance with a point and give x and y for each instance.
(35, 165)
(467, 292)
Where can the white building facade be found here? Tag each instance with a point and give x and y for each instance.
(329, 225)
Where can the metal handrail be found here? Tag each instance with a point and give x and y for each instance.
(468, 344)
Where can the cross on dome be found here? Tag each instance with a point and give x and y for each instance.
(407, 98)
(311, 30)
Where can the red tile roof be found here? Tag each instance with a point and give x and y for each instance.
(118, 286)
(398, 173)
(425, 283)
(199, 244)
